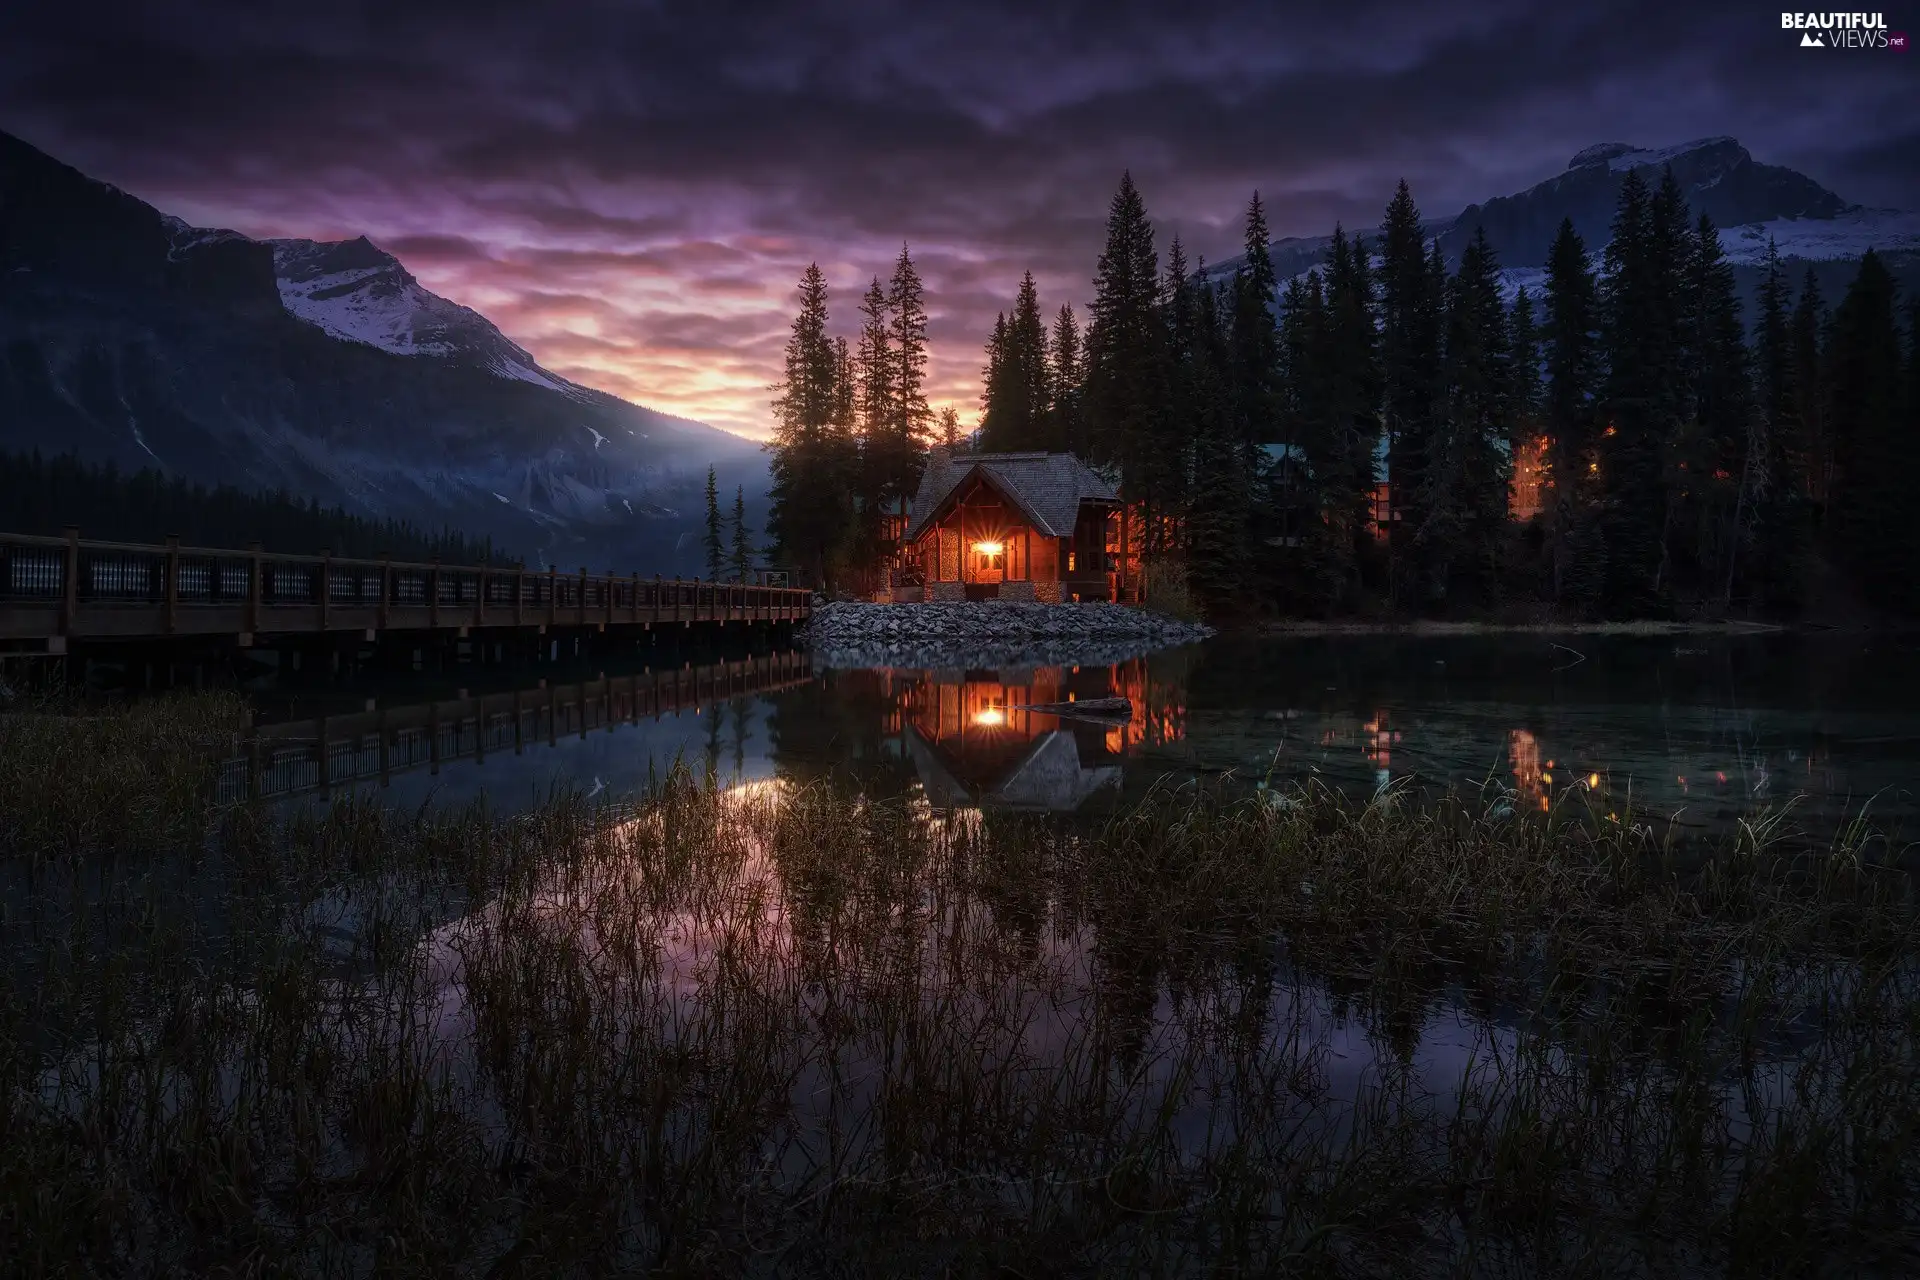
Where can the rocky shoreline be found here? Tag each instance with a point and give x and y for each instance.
(987, 633)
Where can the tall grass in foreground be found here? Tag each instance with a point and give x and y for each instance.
(783, 1031)
(78, 778)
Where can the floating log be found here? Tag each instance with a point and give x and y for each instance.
(1096, 708)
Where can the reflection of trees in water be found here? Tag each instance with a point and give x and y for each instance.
(1706, 728)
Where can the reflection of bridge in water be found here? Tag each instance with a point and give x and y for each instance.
(374, 744)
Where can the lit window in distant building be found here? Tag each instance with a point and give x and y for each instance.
(1530, 479)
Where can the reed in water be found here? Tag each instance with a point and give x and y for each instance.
(780, 1030)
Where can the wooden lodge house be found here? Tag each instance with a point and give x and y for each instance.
(1011, 526)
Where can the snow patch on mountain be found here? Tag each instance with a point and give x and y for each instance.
(1846, 235)
(353, 290)
(1622, 156)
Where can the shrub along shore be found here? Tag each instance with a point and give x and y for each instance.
(778, 1029)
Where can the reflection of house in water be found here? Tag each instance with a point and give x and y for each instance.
(974, 742)
(1047, 773)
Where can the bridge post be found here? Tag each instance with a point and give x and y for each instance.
(580, 602)
(326, 589)
(633, 601)
(656, 600)
(70, 582)
(676, 597)
(173, 582)
(480, 600)
(256, 587)
(433, 597)
(553, 596)
(520, 596)
(386, 587)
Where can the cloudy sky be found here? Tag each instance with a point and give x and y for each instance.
(631, 189)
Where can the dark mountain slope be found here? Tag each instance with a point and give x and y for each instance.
(130, 337)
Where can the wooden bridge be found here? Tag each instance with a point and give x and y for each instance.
(58, 591)
(290, 757)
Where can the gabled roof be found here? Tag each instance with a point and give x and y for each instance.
(1048, 776)
(1047, 487)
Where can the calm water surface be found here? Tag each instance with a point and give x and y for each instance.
(1699, 729)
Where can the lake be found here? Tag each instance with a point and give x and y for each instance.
(1697, 729)
(769, 1019)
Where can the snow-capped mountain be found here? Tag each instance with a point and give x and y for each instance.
(1753, 204)
(1718, 176)
(326, 369)
(357, 292)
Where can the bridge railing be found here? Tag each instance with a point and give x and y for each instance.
(67, 576)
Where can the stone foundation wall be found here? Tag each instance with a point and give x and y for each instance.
(1017, 591)
(938, 591)
(1047, 592)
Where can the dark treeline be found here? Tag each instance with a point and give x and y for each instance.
(44, 495)
(851, 427)
(728, 544)
(1671, 463)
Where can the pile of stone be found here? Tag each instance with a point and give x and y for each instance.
(988, 633)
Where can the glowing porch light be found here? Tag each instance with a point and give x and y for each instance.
(988, 548)
(990, 717)
(1593, 780)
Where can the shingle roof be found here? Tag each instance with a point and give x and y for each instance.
(1047, 487)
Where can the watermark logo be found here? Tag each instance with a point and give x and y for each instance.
(1843, 31)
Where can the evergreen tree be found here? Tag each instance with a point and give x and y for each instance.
(1782, 529)
(742, 559)
(873, 382)
(1808, 388)
(1523, 340)
(1410, 310)
(1874, 532)
(1064, 432)
(1256, 339)
(41, 496)
(1165, 466)
(1033, 376)
(1015, 400)
(1570, 336)
(1217, 515)
(876, 365)
(1123, 400)
(1645, 391)
(811, 517)
(996, 391)
(1720, 456)
(949, 427)
(912, 416)
(1468, 473)
(1913, 363)
(1311, 562)
(714, 548)
(1346, 421)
